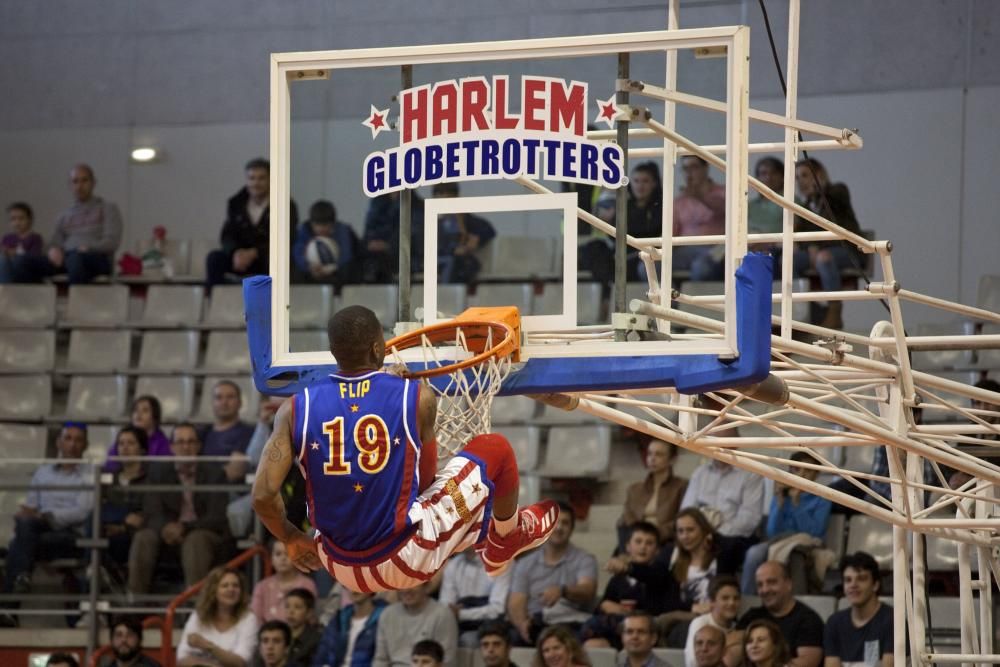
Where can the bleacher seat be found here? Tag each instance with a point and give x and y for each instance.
(530, 489)
(27, 305)
(25, 397)
(452, 299)
(381, 299)
(859, 458)
(99, 306)
(176, 394)
(22, 441)
(522, 256)
(225, 308)
(988, 294)
(173, 306)
(525, 441)
(97, 397)
(227, 352)
(834, 539)
(10, 502)
(311, 340)
(100, 437)
(249, 393)
(199, 251)
(942, 555)
(310, 306)
(505, 294)
(603, 518)
(99, 351)
(671, 656)
(169, 351)
(578, 451)
(937, 359)
(588, 302)
(989, 359)
(513, 409)
(945, 613)
(871, 536)
(602, 657)
(27, 350)
(824, 605)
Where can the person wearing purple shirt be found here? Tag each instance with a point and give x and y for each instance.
(146, 413)
(228, 436)
(21, 241)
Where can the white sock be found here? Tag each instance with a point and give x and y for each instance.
(506, 526)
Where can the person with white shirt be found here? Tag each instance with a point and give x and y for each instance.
(724, 593)
(472, 595)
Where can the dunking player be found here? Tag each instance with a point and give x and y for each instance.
(364, 441)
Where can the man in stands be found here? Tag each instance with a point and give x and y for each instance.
(415, 617)
(460, 237)
(323, 223)
(699, 210)
(273, 639)
(724, 593)
(228, 436)
(473, 595)
(494, 644)
(51, 520)
(192, 523)
(638, 637)
(381, 237)
(709, 647)
(246, 233)
(353, 629)
(801, 627)
(862, 634)
(126, 643)
(552, 585)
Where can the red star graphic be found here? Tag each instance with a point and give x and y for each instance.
(608, 111)
(378, 121)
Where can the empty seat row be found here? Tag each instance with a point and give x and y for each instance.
(571, 451)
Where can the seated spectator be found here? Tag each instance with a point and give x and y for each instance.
(763, 215)
(638, 637)
(733, 501)
(597, 254)
(494, 644)
(552, 585)
(829, 258)
(126, 644)
(709, 647)
(268, 600)
(145, 414)
(247, 230)
(191, 523)
(764, 646)
(273, 641)
(416, 616)
(121, 511)
(693, 563)
(557, 647)
(228, 436)
(801, 627)
(657, 498)
(300, 605)
(323, 223)
(724, 598)
(645, 211)
(797, 520)
(639, 584)
(61, 659)
(699, 210)
(427, 653)
(50, 521)
(381, 237)
(20, 241)
(350, 636)
(862, 634)
(460, 237)
(472, 595)
(222, 630)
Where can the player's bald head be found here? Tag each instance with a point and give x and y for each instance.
(356, 338)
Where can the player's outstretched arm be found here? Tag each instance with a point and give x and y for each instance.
(426, 418)
(275, 462)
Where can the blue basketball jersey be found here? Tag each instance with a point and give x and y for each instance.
(358, 447)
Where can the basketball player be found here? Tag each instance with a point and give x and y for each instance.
(364, 441)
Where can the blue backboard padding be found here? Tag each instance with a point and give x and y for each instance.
(690, 374)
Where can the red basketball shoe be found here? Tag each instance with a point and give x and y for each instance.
(534, 525)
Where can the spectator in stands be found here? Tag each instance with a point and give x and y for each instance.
(638, 637)
(427, 653)
(797, 519)
(460, 237)
(638, 584)
(552, 585)
(733, 502)
(323, 223)
(472, 595)
(800, 626)
(51, 520)
(246, 233)
(381, 237)
(416, 616)
(125, 635)
(228, 436)
(62, 660)
(693, 563)
(273, 641)
(191, 522)
(222, 630)
(300, 605)
(699, 210)
(350, 636)
(709, 647)
(764, 646)
(494, 644)
(20, 241)
(268, 600)
(724, 596)
(763, 215)
(657, 498)
(862, 634)
(829, 258)
(146, 413)
(121, 511)
(645, 210)
(596, 250)
(558, 647)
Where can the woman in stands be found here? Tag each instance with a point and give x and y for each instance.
(657, 498)
(223, 631)
(121, 512)
(692, 564)
(146, 412)
(558, 647)
(763, 645)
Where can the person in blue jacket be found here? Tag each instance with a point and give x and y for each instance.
(354, 627)
(323, 222)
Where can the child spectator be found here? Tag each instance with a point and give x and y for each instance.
(349, 637)
(323, 223)
(269, 594)
(273, 640)
(145, 415)
(21, 240)
(300, 604)
(427, 653)
(724, 592)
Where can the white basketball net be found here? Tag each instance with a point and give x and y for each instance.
(465, 400)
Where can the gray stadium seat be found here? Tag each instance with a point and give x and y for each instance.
(99, 306)
(530, 489)
(227, 352)
(225, 308)
(942, 555)
(99, 351)
(176, 394)
(522, 256)
(310, 305)
(10, 502)
(173, 306)
(525, 440)
(169, 351)
(824, 605)
(25, 397)
(871, 536)
(380, 298)
(989, 359)
(452, 299)
(834, 539)
(97, 397)
(251, 397)
(505, 294)
(199, 251)
(27, 350)
(310, 340)
(937, 359)
(100, 437)
(27, 305)
(513, 409)
(859, 458)
(578, 451)
(22, 441)
(588, 302)
(988, 294)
